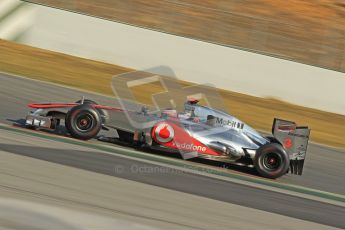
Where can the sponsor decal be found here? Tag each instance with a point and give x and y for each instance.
(288, 143)
(231, 123)
(301, 148)
(299, 155)
(287, 128)
(190, 147)
(171, 135)
(298, 135)
(164, 133)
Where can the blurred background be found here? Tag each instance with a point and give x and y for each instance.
(266, 59)
(246, 51)
(310, 32)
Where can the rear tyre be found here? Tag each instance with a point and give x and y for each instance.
(83, 122)
(271, 161)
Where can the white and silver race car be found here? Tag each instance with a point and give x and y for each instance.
(198, 131)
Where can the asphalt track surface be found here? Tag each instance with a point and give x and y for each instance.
(323, 170)
(28, 171)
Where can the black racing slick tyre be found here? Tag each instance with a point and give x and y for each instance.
(83, 122)
(271, 161)
(104, 113)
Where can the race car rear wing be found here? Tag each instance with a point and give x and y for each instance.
(295, 141)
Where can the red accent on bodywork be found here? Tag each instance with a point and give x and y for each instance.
(107, 108)
(193, 101)
(164, 133)
(50, 106)
(287, 128)
(183, 141)
(288, 143)
(47, 106)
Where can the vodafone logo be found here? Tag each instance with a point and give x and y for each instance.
(191, 147)
(164, 133)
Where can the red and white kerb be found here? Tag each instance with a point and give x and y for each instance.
(164, 133)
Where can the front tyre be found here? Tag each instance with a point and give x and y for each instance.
(104, 114)
(271, 161)
(83, 122)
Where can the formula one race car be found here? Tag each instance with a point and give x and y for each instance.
(198, 131)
